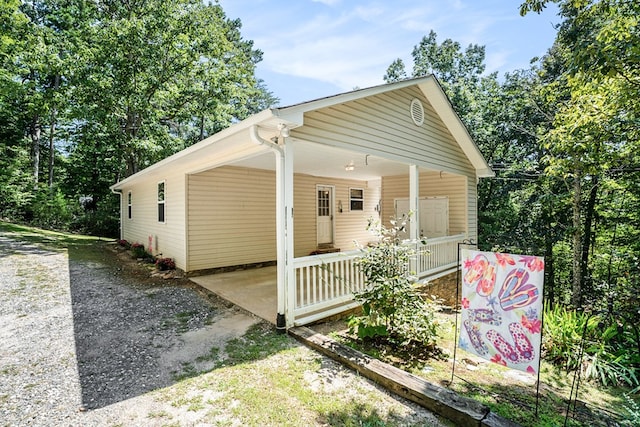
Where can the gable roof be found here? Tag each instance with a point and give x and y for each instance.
(293, 116)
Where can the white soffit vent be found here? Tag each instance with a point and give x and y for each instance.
(417, 112)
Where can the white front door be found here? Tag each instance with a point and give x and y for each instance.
(324, 197)
(434, 216)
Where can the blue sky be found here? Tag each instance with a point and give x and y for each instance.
(317, 48)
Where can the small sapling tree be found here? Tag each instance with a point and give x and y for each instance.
(392, 306)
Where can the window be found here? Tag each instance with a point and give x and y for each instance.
(161, 201)
(324, 202)
(356, 199)
(129, 204)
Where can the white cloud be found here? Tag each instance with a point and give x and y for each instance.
(327, 2)
(496, 60)
(352, 43)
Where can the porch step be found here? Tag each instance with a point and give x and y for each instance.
(325, 250)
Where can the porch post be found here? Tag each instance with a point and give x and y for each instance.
(414, 202)
(289, 282)
(281, 262)
(284, 180)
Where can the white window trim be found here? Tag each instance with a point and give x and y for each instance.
(356, 199)
(163, 202)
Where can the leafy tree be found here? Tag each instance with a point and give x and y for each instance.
(594, 138)
(103, 89)
(392, 306)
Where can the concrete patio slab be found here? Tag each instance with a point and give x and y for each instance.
(254, 289)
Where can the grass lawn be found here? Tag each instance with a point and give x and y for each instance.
(509, 393)
(260, 378)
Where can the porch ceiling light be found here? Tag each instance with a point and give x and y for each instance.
(350, 167)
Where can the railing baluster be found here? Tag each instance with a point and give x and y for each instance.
(321, 280)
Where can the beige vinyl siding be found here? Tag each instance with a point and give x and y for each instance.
(381, 125)
(168, 237)
(349, 226)
(232, 217)
(432, 184)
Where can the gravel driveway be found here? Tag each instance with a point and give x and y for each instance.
(82, 342)
(86, 342)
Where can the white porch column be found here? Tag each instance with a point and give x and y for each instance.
(289, 282)
(414, 202)
(281, 262)
(283, 177)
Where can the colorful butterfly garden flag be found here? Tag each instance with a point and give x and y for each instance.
(502, 308)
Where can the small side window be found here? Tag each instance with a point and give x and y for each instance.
(356, 199)
(161, 201)
(129, 210)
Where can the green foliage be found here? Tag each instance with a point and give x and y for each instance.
(165, 264)
(93, 92)
(392, 306)
(610, 348)
(103, 220)
(633, 409)
(138, 251)
(50, 210)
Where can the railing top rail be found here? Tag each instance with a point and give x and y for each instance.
(444, 239)
(306, 261)
(310, 260)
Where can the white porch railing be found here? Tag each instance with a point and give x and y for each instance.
(324, 284)
(436, 256)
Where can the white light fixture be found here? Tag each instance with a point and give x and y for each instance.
(351, 166)
(284, 130)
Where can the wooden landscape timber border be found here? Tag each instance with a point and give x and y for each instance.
(442, 401)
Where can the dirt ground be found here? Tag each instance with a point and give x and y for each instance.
(89, 338)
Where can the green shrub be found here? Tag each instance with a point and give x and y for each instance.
(633, 409)
(392, 306)
(49, 209)
(610, 353)
(138, 251)
(165, 264)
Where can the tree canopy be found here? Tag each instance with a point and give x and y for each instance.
(562, 138)
(91, 92)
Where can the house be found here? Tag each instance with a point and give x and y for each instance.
(295, 186)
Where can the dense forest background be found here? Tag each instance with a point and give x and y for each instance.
(93, 91)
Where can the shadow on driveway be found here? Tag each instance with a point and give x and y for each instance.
(127, 328)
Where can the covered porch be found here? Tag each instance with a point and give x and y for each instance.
(306, 206)
(310, 177)
(324, 283)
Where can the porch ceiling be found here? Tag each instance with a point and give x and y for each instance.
(321, 160)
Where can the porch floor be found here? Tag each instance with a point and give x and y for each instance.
(253, 290)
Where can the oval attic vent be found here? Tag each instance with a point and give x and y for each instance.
(417, 112)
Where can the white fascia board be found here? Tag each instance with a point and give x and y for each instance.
(269, 118)
(351, 96)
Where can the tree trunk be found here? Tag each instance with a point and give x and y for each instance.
(34, 132)
(576, 288)
(587, 238)
(52, 130)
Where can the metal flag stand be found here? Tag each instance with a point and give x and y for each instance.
(455, 331)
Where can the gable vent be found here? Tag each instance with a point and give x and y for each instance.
(417, 112)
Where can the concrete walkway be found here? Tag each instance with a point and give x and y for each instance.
(254, 290)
